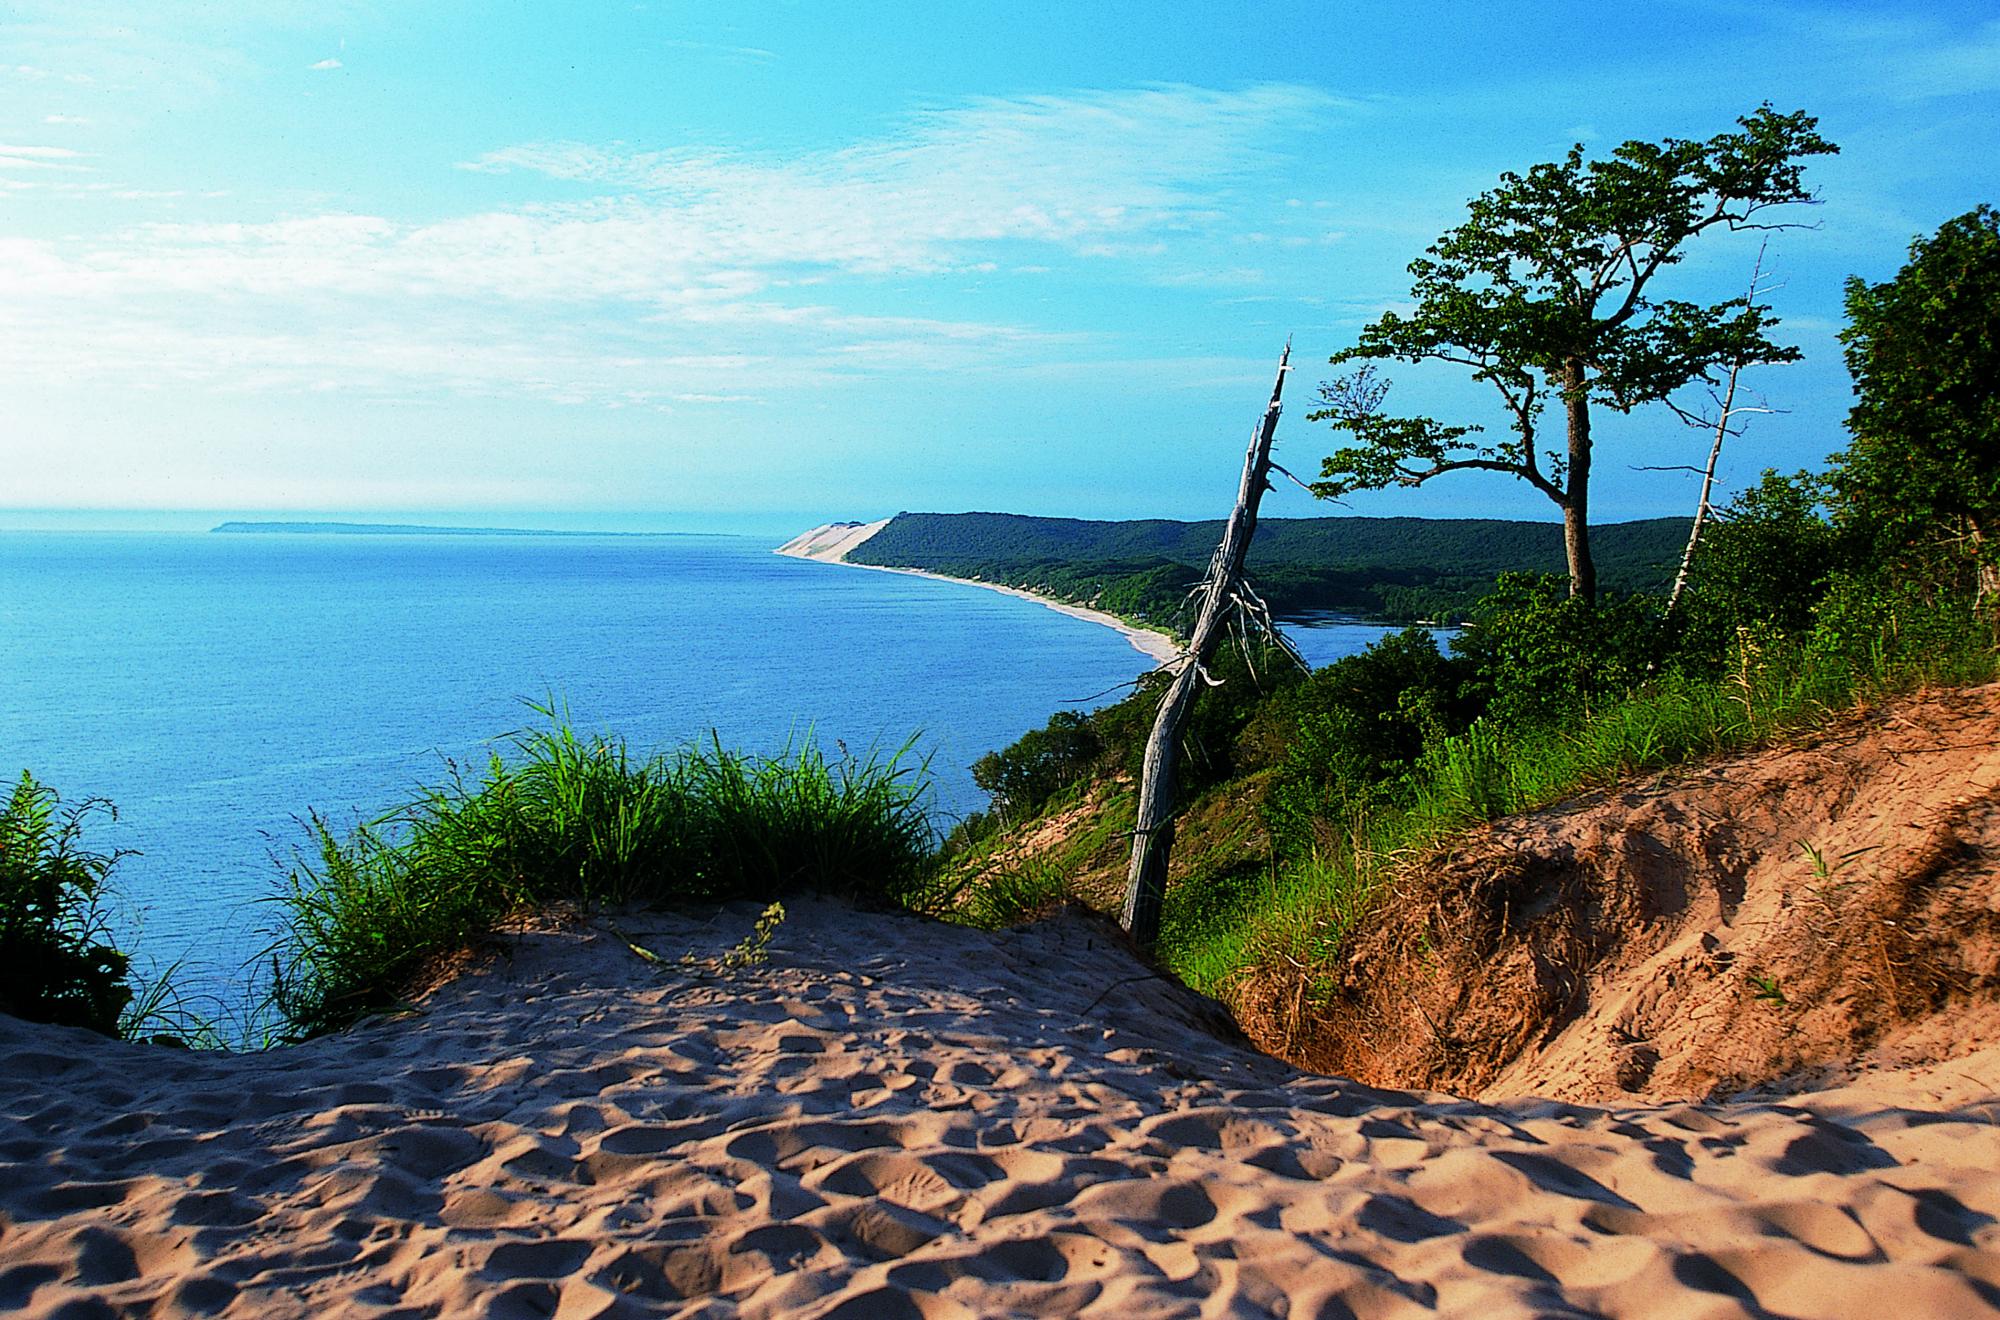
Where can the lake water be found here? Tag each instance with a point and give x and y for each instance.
(216, 687)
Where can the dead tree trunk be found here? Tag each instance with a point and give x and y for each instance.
(1153, 834)
(1726, 411)
(1701, 508)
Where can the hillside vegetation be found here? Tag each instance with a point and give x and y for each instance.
(1335, 877)
(1401, 569)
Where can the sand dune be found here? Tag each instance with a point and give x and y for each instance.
(830, 542)
(899, 1118)
(1814, 911)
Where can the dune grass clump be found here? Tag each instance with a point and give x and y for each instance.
(581, 821)
(57, 962)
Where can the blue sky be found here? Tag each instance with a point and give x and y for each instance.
(718, 265)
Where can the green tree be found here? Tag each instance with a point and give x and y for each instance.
(1766, 559)
(1545, 294)
(1923, 470)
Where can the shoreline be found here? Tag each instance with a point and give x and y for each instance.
(830, 544)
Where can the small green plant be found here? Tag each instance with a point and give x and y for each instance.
(1767, 989)
(1828, 886)
(753, 950)
(57, 963)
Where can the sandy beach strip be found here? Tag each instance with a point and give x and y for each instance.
(899, 1118)
(830, 544)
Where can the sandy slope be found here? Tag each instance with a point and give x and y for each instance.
(1675, 938)
(832, 542)
(898, 1118)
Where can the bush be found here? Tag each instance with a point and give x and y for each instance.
(1209, 753)
(1039, 764)
(574, 820)
(1897, 630)
(1921, 480)
(1351, 726)
(1541, 656)
(56, 964)
(1763, 565)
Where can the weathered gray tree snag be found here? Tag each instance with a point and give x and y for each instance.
(1726, 413)
(1225, 589)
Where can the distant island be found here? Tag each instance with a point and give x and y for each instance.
(1387, 569)
(415, 529)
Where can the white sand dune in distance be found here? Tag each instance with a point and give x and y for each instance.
(833, 542)
(830, 542)
(901, 1118)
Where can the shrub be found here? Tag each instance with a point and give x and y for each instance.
(56, 964)
(1921, 479)
(1349, 727)
(1765, 560)
(1541, 655)
(1040, 764)
(1888, 631)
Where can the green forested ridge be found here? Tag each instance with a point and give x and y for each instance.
(1397, 568)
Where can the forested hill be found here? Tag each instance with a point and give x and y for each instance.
(1394, 568)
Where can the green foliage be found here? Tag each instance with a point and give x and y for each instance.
(1540, 655)
(1867, 626)
(1544, 293)
(1040, 764)
(1011, 890)
(1350, 727)
(753, 950)
(1764, 562)
(581, 821)
(56, 962)
(1767, 989)
(1395, 568)
(1924, 349)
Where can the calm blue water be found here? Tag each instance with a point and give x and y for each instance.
(218, 687)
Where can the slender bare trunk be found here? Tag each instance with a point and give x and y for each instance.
(1153, 832)
(1728, 412)
(1701, 508)
(1576, 505)
(1988, 573)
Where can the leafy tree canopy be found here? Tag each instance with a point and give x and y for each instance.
(1544, 293)
(1924, 348)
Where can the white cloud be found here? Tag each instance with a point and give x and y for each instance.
(752, 54)
(39, 153)
(325, 64)
(39, 163)
(675, 277)
(69, 121)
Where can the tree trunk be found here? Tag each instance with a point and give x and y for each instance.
(1701, 509)
(1986, 572)
(1576, 506)
(1153, 832)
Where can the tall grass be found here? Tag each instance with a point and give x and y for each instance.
(579, 820)
(57, 961)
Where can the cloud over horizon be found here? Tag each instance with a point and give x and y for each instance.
(615, 268)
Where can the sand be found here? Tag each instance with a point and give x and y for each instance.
(1823, 909)
(900, 1118)
(831, 544)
